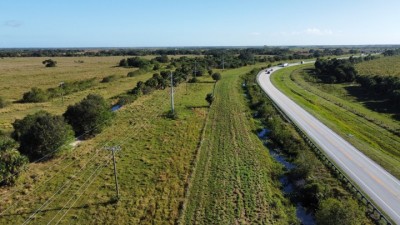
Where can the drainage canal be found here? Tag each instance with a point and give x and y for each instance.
(305, 217)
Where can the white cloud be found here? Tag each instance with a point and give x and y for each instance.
(12, 23)
(318, 32)
(255, 34)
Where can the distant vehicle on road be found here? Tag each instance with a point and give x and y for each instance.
(302, 62)
(285, 64)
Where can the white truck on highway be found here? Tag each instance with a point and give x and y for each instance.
(285, 64)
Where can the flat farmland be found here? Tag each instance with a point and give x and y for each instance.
(19, 75)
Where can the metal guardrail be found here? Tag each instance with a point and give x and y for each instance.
(320, 154)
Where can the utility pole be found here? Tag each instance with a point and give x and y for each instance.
(172, 95)
(113, 149)
(61, 85)
(195, 68)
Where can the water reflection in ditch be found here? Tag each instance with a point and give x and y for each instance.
(305, 217)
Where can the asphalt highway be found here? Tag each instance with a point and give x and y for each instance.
(381, 187)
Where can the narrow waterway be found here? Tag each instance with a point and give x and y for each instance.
(305, 217)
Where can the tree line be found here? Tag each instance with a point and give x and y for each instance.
(282, 51)
(343, 70)
(388, 86)
(335, 70)
(65, 88)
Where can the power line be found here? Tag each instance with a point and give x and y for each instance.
(55, 150)
(60, 190)
(96, 153)
(78, 192)
(69, 181)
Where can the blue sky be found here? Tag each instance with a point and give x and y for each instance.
(157, 23)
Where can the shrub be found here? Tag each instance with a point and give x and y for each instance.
(333, 211)
(136, 73)
(108, 79)
(3, 102)
(12, 163)
(35, 95)
(41, 134)
(193, 80)
(89, 116)
(216, 77)
(49, 63)
(210, 98)
(126, 99)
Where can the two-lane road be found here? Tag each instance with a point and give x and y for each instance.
(377, 183)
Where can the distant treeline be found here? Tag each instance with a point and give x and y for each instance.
(275, 51)
(391, 52)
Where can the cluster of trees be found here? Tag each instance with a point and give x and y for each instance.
(335, 70)
(41, 136)
(135, 62)
(391, 52)
(65, 88)
(158, 81)
(388, 86)
(49, 63)
(369, 57)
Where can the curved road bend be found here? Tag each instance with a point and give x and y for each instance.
(377, 183)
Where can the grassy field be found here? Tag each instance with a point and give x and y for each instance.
(153, 167)
(367, 130)
(235, 180)
(19, 75)
(384, 66)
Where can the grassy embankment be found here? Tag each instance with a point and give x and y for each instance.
(367, 130)
(153, 167)
(19, 75)
(235, 180)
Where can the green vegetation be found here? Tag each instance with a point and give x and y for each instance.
(335, 212)
(210, 98)
(49, 63)
(153, 167)
(234, 180)
(12, 163)
(3, 102)
(371, 132)
(216, 76)
(335, 70)
(19, 75)
(109, 78)
(35, 95)
(313, 182)
(89, 116)
(384, 66)
(65, 88)
(40, 135)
